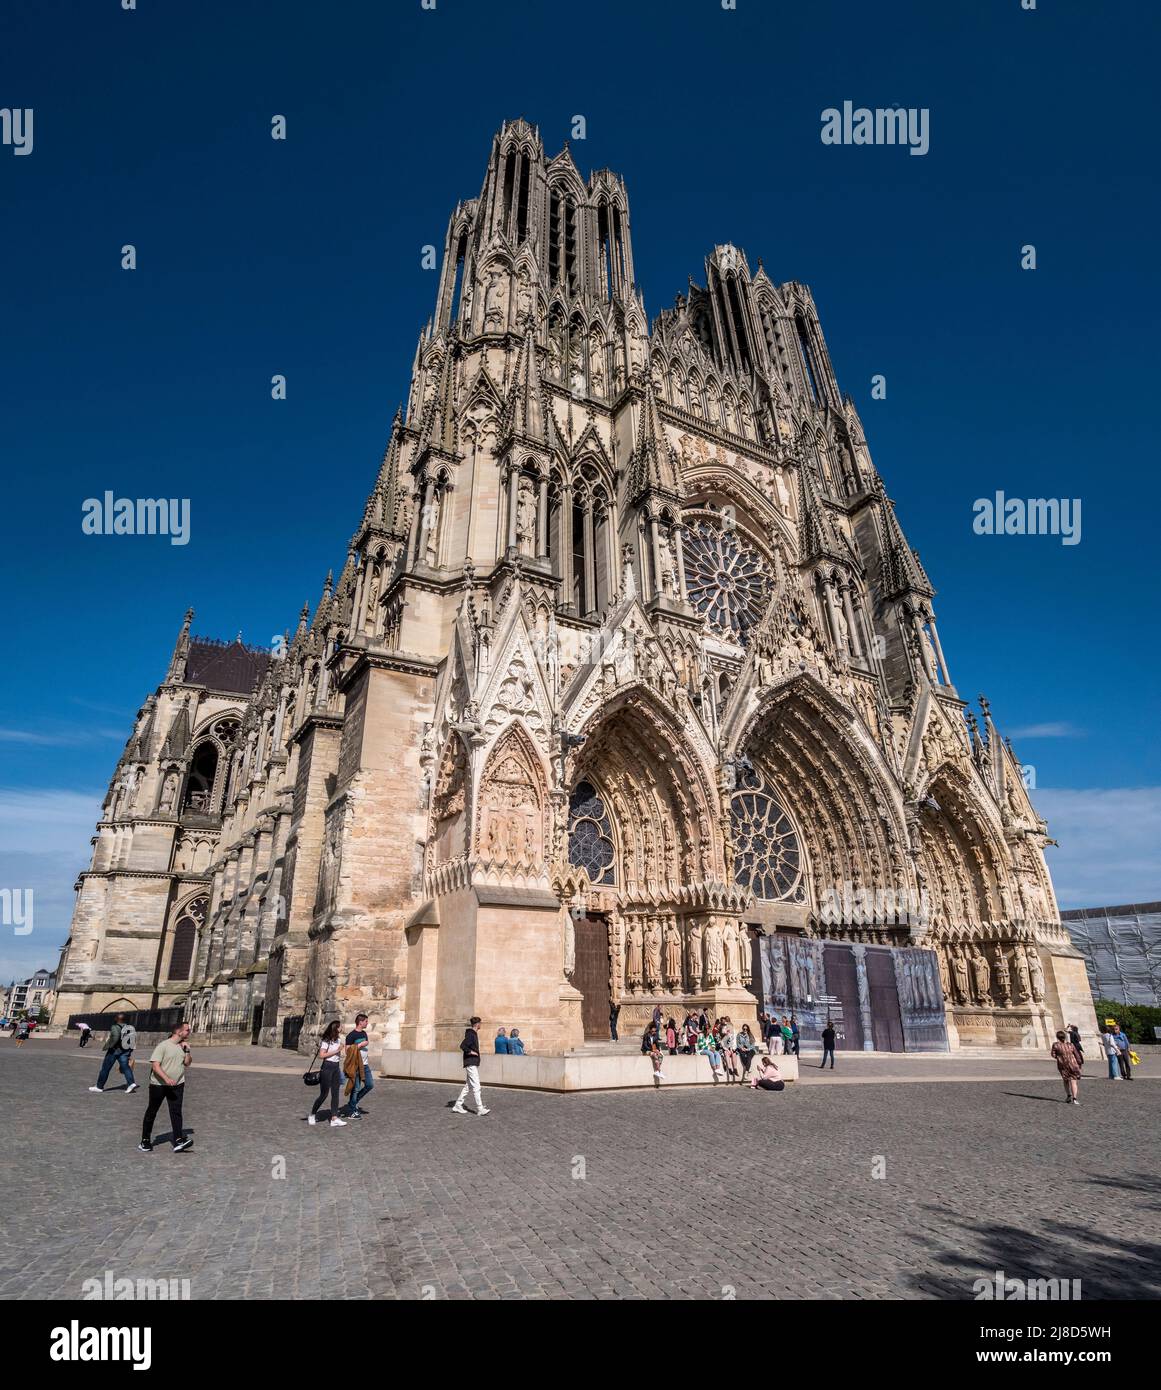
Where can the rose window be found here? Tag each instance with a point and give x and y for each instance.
(726, 579)
(590, 835)
(767, 857)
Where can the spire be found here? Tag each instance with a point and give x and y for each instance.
(144, 740)
(176, 672)
(819, 538)
(527, 414)
(438, 431)
(651, 466)
(177, 740)
(901, 571)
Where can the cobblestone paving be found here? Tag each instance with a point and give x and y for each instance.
(685, 1194)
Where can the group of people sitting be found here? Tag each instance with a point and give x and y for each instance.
(730, 1053)
(509, 1043)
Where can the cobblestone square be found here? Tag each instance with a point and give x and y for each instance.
(689, 1194)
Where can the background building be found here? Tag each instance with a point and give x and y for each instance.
(629, 691)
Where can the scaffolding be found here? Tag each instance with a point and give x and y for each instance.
(1122, 950)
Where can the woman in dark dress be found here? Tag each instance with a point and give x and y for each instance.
(1068, 1063)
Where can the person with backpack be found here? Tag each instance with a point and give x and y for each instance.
(470, 1047)
(117, 1054)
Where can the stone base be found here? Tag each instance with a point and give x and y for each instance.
(572, 1071)
(1027, 1028)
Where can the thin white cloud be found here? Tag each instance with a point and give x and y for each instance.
(1110, 844)
(1058, 729)
(61, 738)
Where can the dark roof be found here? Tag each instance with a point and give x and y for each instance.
(225, 665)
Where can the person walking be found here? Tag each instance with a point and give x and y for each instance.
(357, 1067)
(168, 1064)
(330, 1053)
(795, 1036)
(1124, 1061)
(1109, 1044)
(129, 1046)
(515, 1043)
(828, 1045)
(22, 1031)
(766, 1076)
(1068, 1063)
(1074, 1038)
(470, 1047)
(115, 1054)
(86, 1034)
(500, 1043)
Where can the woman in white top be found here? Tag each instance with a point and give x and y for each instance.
(330, 1050)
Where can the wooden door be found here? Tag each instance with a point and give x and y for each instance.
(842, 987)
(591, 975)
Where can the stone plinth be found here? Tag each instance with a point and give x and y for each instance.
(570, 1071)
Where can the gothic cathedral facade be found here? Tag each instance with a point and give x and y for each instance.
(629, 692)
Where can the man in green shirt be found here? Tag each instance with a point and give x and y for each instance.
(167, 1068)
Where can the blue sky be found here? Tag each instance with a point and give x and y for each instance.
(302, 257)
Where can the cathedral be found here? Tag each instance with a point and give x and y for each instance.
(629, 692)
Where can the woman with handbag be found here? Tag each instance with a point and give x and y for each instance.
(330, 1075)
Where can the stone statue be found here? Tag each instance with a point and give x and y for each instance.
(568, 940)
(168, 794)
(672, 954)
(982, 974)
(1036, 971)
(634, 961)
(431, 535)
(653, 953)
(694, 955)
(944, 974)
(526, 518)
(1023, 981)
(733, 954)
(714, 961)
(959, 970)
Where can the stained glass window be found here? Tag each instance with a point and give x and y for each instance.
(767, 857)
(590, 835)
(726, 578)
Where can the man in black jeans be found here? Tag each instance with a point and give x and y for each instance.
(828, 1044)
(167, 1067)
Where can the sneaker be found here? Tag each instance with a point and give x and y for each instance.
(485, 1111)
(145, 1148)
(337, 1123)
(133, 1087)
(182, 1145)
(660, 1076)
(458, 1110)
(1076, 1102)
(312, 1119)
(100, 1090)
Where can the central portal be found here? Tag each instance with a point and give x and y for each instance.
(591, 974)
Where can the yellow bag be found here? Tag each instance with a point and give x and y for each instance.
(1136, 1061)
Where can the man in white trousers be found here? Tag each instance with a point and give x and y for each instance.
(470, 1047)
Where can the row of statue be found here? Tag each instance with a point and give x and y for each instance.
(660, 955)
(969, 977)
